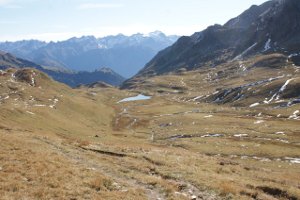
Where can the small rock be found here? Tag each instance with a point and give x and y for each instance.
(194, 197)
(166, 124)
(181, 186)
(96, 135)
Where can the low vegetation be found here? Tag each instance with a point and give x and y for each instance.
(62, 143)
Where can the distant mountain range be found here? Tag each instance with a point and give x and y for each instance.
(273, 27)
(124, 54)
(70, 78)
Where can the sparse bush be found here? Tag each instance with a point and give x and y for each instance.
(101, 183)
(228, 188)
(83, 143)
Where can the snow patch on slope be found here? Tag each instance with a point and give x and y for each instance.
(277, 94)
(245, 52)
(267, 45)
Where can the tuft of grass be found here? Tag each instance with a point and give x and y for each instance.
(227, 187)
(83, 143)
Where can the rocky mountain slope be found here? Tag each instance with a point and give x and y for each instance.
(268, 81)
(252, 60)
(70, 78)
(123, 54)
(271, 27)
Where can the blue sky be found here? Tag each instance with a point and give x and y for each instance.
(61, 19)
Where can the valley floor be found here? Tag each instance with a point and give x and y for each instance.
(83, 144)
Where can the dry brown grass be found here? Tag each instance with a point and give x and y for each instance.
(41, 158)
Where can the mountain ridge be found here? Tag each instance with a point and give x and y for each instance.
(70, 78)
(271, 27)
(124, 54)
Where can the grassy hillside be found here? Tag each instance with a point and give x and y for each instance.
(63, 143)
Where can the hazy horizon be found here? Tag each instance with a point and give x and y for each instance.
(53, 20)
(99, 37)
